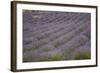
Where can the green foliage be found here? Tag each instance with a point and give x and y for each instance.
(46, 49)
(40, 37)
(47, 34)
(33, 59)
(26, 49)
(67, 53)
(56, 44)
(43, 36)
(35, 33)
(55, 57)
(82, 55)
(27, 59)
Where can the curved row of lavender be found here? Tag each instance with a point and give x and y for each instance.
(55, 36)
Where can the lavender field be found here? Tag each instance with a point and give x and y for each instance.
(56, 36)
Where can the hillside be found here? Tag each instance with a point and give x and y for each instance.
(55, 36)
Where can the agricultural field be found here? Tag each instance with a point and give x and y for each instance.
(56, 36)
